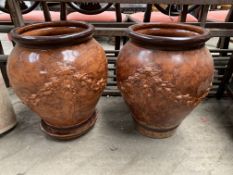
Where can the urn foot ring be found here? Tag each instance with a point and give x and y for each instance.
(70, 132)
(8, 128)
(154, 132)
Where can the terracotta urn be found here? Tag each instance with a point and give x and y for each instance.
(163, 73)
(59, 70)
(7, 115)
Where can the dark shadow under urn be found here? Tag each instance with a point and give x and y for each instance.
(59, 71)
(163, 73)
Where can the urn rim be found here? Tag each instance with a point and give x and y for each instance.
(58, 34)
(169, 36)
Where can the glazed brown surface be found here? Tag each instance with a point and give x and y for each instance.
(51, 31)
(62, 85)
(169, 36)
(162, 87)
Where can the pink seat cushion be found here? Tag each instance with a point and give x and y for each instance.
(32, 16)
(218, 15)
(160, 17)
(106, 16)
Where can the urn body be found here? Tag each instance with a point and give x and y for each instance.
(60, 74)
(161, 79)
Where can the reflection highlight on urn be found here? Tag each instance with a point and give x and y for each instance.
(33, 57)
(70, 56)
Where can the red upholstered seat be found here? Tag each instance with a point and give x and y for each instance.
(106, 16)
(32, 16)
(160, 17)
(217, 16)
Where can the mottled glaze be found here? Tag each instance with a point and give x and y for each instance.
(59, 71)
(162, 83)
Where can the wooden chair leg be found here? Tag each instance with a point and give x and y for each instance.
(117, 44)
(125, 39)
(203, 15)
(223, 43)
(219, 42)
(1, 49)
(147, 14)
(226, 78)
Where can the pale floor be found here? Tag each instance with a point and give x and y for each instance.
(202, 145)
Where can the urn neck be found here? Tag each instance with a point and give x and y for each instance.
(163, 36)
(52, 34)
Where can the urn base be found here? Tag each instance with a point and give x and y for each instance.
(155, 133)
(69, 132)
(8, 128)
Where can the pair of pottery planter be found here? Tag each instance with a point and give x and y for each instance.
(60, 71)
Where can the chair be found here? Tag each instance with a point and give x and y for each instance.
(221, 16)
(33, 16)
(217, 15)
(93, 12)
(223, 43)
(163, 15)
(106, 16)
(159, 17)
